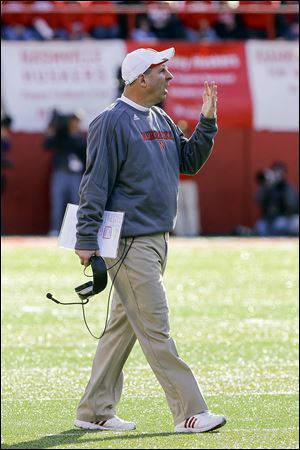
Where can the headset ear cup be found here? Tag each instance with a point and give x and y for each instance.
(84, 290)
(99, 274)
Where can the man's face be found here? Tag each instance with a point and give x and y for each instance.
(157, 82)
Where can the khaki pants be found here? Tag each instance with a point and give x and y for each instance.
(140, 311)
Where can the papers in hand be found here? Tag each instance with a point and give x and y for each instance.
(108, 235)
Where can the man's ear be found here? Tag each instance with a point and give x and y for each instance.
(142, 80)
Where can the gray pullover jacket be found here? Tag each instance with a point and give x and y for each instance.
(133, 163)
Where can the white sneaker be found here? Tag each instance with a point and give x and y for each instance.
(200, 423)
(115, 423)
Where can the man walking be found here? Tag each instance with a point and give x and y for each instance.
(134, 157)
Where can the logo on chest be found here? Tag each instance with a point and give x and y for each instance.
(157, 136)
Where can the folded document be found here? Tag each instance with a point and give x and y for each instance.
(108, 235)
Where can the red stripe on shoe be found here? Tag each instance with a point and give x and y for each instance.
(190, 421)
(101, 423)
(193, 423)
(185, 423)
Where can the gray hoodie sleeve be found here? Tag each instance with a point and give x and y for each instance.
(195, 151)
(103, 162)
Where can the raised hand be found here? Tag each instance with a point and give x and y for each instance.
(209, 107)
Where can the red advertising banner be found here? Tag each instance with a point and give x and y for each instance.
(194, 63)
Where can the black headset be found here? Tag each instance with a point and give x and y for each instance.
(87, 290)
(99, 282)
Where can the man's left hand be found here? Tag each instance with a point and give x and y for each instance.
(209, 107)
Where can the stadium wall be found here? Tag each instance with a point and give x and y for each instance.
(226, 182)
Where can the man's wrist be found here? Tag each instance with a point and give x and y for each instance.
(202, 116)
(87, 244)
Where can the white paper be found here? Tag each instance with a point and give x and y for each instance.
(108, 235)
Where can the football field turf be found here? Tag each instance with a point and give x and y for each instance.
(233, 314)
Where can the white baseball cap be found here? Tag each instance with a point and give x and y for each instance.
(138, 61)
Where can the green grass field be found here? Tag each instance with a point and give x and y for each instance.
(234, 316)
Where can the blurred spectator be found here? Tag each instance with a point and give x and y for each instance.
(5, 149)
(292, 33)
(52, 23)
(287, 25)
(199, 23)
(124, 19)
(143, 32)
(164, 23)
(228, 25)
(278, 201)
(101, 25)
(5, 161)
(255, 24)
(43, 22)
(188, 216)
(205, 32)
(17, 22)
(68, 145)
(70, 24)
(70, 20)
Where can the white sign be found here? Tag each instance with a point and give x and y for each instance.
(273, 69)
(108, 235)
(38, 77)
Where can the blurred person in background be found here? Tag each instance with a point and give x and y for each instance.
(256, 25)
(164, 23)
(188, 217)
(101, 25)
(5, 149)
(227, 24)
(287, 25)
(16, 22)
(199, 24)
(278, 201)
(205, 32)
(142, 31)
(43, 19)
(6, 163)
(71, 23)
(76, 20)
(68, 146)
(123, 19)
